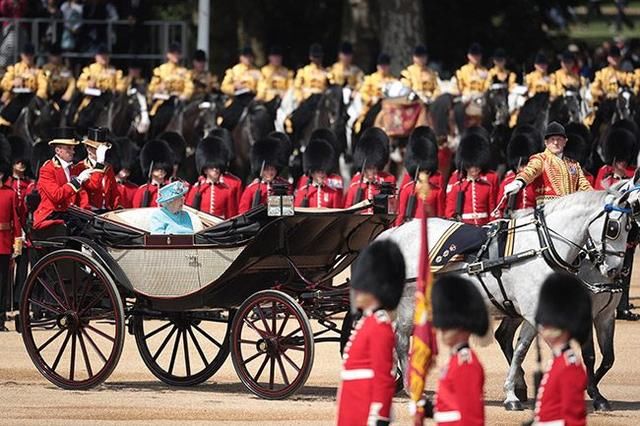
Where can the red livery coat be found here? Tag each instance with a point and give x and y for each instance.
(101, 188)
(459, 398)
(368, 372)
(10, 223)
(606, 177)
(319, 196)
(265, 188)
(479, 200)
(217, 199)
(525, 199)
(370, 189)
(235, 183)
(127, 191)
(561, 394)
(490, 176)
(56, 194)
(435, 199)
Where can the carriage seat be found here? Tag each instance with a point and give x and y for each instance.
(139, 218)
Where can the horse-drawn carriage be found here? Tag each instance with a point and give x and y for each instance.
(249, 286)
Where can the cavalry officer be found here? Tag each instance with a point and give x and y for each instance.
(420, 78)
(58, 187)
(318, 160)
(134, 79)
(458, 312)
(499, 73)
(344, 73)
(421, 155)
(566, 78)
(519, 149)
(472, 190)
(211, 194)
(472, 77)
(204, 83)
(275, 78)
(60, 82)
(96, 85)
(10, 229)
(20, 83)
(267, 161)
(101, 188)
(552, 174)
(156, 161)
(610, 79)
(127, 153)
(371, 157)
(170, 82)
(367, 379)
(563, 314)
(241, 84)
(538, 81)
(372, 90)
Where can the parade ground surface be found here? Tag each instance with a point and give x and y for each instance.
(132, 395)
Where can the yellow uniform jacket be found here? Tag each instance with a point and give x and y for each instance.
(176, 81)
(537, 82)
(274, 81)
(105, 78)
(501, 76)
(422, 80)
(59, 80)
(32, 79)
(607, 81)
(310, 80)
(203, 83)
(351, 77)
(371, 90)
(561, 79)
(471, 79)
(246, 77)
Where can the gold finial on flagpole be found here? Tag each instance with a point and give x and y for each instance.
(422, 187)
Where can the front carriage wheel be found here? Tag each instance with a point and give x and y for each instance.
(272, 344)
(183, 348)
(72, 320)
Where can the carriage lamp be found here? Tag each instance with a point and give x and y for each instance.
(279, 203)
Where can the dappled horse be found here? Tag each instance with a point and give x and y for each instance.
(37, 120)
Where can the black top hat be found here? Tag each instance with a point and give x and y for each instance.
(316, 51)
(98, 134)
(383, 59)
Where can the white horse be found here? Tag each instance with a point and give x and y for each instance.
(572, 222)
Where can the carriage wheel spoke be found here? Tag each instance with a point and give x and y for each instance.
(94, 346)
(175, 352)
(254, 356)
(262, 366)
(97, 317)
(273, 316)
(205, 334)
(51, 339)
(186, 353)
(164, 343)
(248, 342)
(292, 333)
(74, 289)
(101, 333)
(52, 293)
(157, 330)
(272, 372)
(283, 325)
(72, 366)
(282, 371)
(290, 361)
(197, 345)
(61, 351)
(252, 326)
(46, 306)
(61, 283)
(94, 301)
(263, 318)
(85, 290)
(85, 355)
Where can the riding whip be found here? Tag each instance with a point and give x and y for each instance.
(257, 196)
(360, 191)
(146, 197)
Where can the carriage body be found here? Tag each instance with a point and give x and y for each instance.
(193, 299)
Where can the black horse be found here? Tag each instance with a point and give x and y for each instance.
(535, 111)
(255, 123)
(37, 120)
(495, 105)
(567, 108)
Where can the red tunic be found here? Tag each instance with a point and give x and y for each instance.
(56, 194)
(435, 199)
(319, 196)
(235, 183)
(368, 372)
(138, 197)
(334, 181)
(490, 176)
(10, 225)
(561, 394)
(217, 199)
(606, 177)
(369, 189)
(127, 191)
(525, 199)
(479, 201)
(459, 398)
(21, 187)
(101, 188)
(246, 200)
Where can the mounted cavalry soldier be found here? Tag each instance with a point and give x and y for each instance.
(372, 90)
(552, 174)
(171, 83)
(21, 82)
(60, 82)
(275, 78)
(134, 79)
(538, 81)
(204, 83)
(318, 161)
(499, 73)
(156, 162)
(566, 78)
(344, 73)
(610, 79)
(240, 83)
(420, 78)
(472, 77)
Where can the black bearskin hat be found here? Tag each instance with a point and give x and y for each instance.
(286, 148)
(379, 270)
(20, 150)
(532, 132)
(564, 303)
(620, 145)
(579, 129)
(177, 144)
(114, 157)
(422, 152)
(520, 148)
(5, 159)
(212, 153)
(268, 151)
(158, 152)
(576, 149)
(329, 136)
(128, 153)
(474, 151)
(319, 155)
(372, 149)
(225, 136)
(41, 152)
(457, 303)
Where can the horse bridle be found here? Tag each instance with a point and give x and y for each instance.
(610, 232)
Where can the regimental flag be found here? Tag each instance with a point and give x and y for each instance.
(424, 348)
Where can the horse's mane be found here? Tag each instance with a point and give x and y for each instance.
(568, 202)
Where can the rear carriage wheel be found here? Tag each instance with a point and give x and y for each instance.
(272, 344)
(183, 348)
(72, 320)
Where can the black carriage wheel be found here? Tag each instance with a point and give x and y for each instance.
(184, 348)
(272, 344)
(72, 320)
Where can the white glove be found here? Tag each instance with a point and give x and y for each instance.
(101, 153)
(84, 175)
(513, 187)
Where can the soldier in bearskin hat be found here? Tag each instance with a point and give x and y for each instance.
(156, 162)
(267, 161)
(564, 313)
(578, 150)
(122, 158)
(211, 194)
(334, 179)
(232, 180)
(472, 190)
(371, 157)
(458, 312)
(621, 153)
(368, 369)
(19, 179)
(421, 155)
(318, 159)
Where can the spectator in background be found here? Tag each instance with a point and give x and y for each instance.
(135, 12)
(8, 43)
(72, 14)
(96, 34)
(621, 16)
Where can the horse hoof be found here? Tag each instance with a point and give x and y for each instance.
(513, 406)
(601, 405)
(521, 394)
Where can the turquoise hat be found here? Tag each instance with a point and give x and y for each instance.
(171, 192)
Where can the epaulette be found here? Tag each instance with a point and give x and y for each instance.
(570, 357)
(464, 356)
(382, 317)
